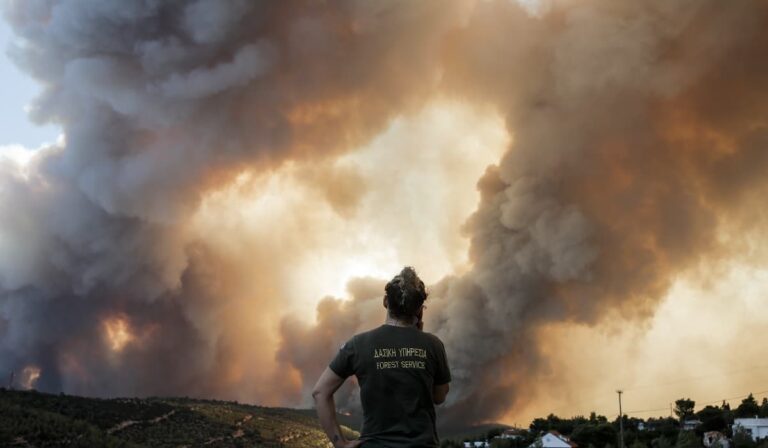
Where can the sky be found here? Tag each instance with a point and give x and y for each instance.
(579, 184)
(16, 128)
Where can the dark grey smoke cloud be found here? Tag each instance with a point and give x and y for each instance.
(160, 101)
(608, 191)
(639, 130)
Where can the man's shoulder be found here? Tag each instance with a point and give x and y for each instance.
(433, 339)
(366, 335)
(383, 330)
(372, 331)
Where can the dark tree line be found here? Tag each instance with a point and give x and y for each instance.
(596, 431)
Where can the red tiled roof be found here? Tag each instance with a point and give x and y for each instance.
(563, 438)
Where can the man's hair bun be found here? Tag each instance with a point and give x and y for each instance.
(405, 293)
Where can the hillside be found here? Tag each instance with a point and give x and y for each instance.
(29, 418)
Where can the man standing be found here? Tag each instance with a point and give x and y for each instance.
(402, 372)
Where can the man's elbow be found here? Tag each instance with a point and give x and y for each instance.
(440, 393)
(317, 394)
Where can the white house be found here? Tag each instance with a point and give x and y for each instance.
(755, 427)
(553, 439)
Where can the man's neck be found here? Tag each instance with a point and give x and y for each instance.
(406, 322)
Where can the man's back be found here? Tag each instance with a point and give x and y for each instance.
(397, 369)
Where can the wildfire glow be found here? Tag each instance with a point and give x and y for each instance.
(29, 377)
(118, 333)
(337, 221)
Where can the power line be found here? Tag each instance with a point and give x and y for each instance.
(606, 398)
(601, 399)
(736, 398)
(647, 410)
(705, 403)
(698, 378)
(666, 408)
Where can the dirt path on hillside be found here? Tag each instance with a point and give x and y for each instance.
(126, 423)
(235, 434)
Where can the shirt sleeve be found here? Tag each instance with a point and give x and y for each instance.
(442, 373)
(343, 364)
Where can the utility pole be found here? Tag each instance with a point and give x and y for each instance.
(621, 422)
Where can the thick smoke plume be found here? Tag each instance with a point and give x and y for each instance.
(639, 133)
(159, 102)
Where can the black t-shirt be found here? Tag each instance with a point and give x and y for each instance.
(396, 368)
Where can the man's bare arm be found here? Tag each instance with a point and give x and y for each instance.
(439, 392)
(323, 392)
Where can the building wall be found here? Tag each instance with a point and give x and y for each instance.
(758, 427)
